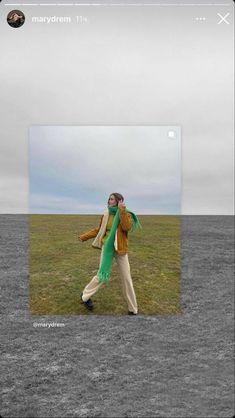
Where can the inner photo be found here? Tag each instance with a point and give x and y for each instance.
(105, 220)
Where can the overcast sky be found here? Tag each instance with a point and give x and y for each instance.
(127, 65)
(74, 169)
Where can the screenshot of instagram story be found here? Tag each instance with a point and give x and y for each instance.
(117, 208)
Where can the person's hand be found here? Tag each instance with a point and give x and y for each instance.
(121, 204)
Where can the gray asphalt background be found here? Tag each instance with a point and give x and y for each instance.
(107, 366)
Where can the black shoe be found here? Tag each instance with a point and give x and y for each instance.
(88, 303)
(131, 313)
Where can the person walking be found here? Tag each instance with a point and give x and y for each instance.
(111, 236)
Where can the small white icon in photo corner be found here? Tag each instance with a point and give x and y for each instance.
(172, 134)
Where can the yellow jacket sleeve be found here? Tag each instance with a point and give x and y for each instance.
(126, 220)
(90, 234)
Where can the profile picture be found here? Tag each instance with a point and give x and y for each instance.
(16, 18)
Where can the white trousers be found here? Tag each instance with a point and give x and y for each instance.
(126, 282)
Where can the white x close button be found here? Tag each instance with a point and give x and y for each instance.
(223, 19)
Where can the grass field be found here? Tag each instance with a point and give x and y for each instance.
(61, 266)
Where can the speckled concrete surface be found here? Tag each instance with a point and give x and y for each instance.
(145, 366)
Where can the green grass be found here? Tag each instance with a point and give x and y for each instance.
(61, 266)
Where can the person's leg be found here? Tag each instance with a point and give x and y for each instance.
(126, 282)
(92, 287)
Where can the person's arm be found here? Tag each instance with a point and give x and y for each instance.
(126, 220)
(90, 234)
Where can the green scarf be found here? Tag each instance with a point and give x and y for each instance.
(108, 250)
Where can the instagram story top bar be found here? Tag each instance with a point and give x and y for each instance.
(120, 3)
